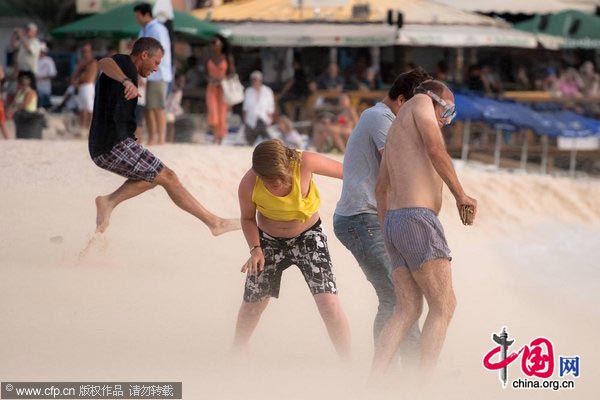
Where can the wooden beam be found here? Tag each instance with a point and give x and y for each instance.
(466, 137)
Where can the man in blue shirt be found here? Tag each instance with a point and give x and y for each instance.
(158, 82)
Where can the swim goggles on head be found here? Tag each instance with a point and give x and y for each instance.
(449, 109)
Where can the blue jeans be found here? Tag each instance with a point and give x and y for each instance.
(361, 234)
(44, 100)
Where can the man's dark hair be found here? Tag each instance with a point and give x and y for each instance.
(406, 83)
(147, 44)
(434, 86)
(143, 8)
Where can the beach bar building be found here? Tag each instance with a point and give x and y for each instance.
(393, 30)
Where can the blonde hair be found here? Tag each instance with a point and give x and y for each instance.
(272, 160)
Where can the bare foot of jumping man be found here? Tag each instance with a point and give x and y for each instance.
(225, 225)
(103, 210)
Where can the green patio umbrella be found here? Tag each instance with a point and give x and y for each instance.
(120, 23)
(578, 29)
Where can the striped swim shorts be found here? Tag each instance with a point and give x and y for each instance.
(130, 160)
(414, 236)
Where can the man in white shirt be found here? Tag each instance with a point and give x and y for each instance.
(46, 71)
(28, 47)
(259, 106)
(158, 82)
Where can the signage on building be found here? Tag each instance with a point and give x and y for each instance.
(584, 143)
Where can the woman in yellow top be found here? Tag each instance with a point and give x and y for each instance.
(279, 205)
(25, 98)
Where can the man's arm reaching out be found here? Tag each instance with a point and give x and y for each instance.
(110, 68)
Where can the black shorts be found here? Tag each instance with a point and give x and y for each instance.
(130, 160)
(308, 251)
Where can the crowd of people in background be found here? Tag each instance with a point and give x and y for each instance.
(20, 93)
(317, 103)
(566, 81)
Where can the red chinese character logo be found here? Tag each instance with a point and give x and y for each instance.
(538, 358)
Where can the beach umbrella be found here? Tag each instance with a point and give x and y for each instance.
(573, 126)
(508, 115)
(466, 107)
(474, 107)
(514, 115)
(578, 29)
(120, 23)
(570, 124)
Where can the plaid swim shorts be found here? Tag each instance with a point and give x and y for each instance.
(130, 160)
(308, 251)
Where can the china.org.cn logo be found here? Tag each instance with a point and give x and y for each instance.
(537, 363)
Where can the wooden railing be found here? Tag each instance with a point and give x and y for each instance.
(547, 97)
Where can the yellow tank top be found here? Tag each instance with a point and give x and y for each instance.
(20, 99)
(287, 208)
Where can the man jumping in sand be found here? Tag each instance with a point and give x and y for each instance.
(409, 196)
(112, 142)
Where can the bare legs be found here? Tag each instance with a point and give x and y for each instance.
(160, 116)
(156, 123)
(434, 281)
(329, 308)
(150, 127)
(85, 120)
(247, 320)
(105, 204)
(217, 111)
(216, 138)
(4, 131)
(179, 194)
(171, 132)
(336, 322)
(409, 305)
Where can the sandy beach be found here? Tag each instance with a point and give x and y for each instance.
(156, 297)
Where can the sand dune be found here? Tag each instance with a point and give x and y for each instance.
(156, 297)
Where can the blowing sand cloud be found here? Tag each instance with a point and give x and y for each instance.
(156, 297)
